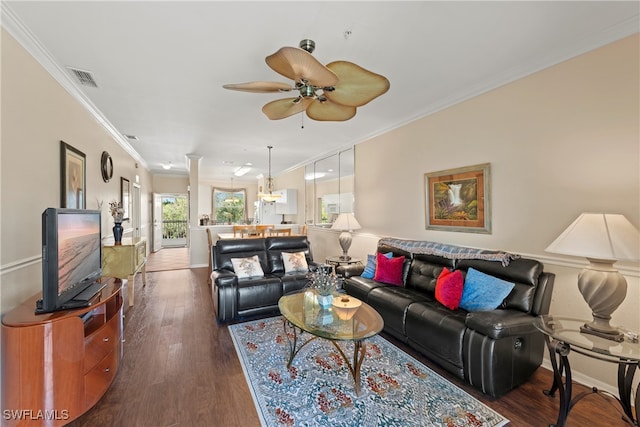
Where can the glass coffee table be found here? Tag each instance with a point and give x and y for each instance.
(302, 313)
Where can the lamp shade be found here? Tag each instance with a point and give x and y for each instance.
(599, 236)
(346, 221)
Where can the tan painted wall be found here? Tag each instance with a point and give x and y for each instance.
(170, 184)
(36, 114)
(560, 142)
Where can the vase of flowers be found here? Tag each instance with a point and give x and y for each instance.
(118, 215)
(324, 283)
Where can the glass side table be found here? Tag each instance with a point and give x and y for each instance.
(562, 335)
(345, 268)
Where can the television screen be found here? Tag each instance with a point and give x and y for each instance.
(78, 248)
(71, 256)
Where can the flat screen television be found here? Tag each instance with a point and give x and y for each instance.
(71, 257)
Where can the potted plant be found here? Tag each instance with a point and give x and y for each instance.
(324, 284)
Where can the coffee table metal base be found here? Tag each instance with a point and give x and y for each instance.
(359, 351)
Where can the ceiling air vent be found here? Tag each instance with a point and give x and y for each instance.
(131, 137)
(84, 77)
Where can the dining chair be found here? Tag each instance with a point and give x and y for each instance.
(281, 232)
(210, 244)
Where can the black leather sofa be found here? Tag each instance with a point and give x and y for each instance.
(233, 297)
(494, 351)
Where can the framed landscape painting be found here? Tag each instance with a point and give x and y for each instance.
(458, 199)
(72, 177)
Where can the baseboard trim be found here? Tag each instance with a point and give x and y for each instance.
(584, 380)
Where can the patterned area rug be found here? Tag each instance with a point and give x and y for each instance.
(397, 390)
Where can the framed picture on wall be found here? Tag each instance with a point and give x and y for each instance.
(125, 197)
(72, 177)
(459, 199)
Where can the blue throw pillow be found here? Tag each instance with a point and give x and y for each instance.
(482, 292)
(370, 269)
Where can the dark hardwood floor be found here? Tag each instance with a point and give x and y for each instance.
(180, 369)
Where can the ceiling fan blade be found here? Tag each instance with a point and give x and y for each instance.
(328, 111)
(357, 86)
(282, 108)
(260, 87)
(298, 65)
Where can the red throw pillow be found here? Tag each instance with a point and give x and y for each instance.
(449, 286)
(389, 271)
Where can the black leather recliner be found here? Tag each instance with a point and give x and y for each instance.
(233, 297)
(495, 351)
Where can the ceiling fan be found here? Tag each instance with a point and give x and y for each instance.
(326, 93)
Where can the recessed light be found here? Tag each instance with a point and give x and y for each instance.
(315, 175)
(242, 170)
(166, 166)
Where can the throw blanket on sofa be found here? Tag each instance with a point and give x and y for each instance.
(448, 251)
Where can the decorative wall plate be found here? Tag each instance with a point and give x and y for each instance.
(106, 166)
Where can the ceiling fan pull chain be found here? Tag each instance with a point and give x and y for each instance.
(302, 120)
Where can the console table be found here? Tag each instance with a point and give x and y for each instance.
(56, 366)
(125, 260)
(562, 335)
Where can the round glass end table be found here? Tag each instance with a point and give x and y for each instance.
(563, 335)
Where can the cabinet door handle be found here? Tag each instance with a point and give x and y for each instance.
(107, 369)
(105, 339)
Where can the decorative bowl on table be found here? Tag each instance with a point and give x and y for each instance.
(346, 306)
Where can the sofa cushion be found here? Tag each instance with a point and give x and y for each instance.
(424, 271)
(294, 262)
(247, 267)
(389, 270)
(259, 292)
(449, 288)
(276, 245)
(524, 272)
(392, 303)
(360, 287)
(498, 324)
(438, 332)
(483, 292)
(226, 249)
(370, 269)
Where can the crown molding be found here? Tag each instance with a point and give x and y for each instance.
(12, 24)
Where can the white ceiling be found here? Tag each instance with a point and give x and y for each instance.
(160, 65)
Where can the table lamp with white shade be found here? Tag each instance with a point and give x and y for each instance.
(345, 222)
(603, 239)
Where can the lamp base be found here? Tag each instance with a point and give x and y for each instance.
(345, 242)
(616, 336)
(604, 289)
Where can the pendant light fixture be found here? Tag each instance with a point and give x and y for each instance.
(268, 195)
(231, 199)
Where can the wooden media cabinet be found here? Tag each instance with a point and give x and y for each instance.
(56, 366)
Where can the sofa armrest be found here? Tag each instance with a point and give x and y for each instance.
(501, 323)
(224, 278)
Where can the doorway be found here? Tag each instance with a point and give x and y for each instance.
(170, 219)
